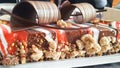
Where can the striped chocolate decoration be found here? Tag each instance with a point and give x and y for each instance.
(39, 12)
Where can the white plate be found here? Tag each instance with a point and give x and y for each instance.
(68, 63)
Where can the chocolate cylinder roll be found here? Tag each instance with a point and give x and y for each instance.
(38, 12)
(84, 12)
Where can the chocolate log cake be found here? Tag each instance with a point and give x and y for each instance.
(43, 44)
(36, 44)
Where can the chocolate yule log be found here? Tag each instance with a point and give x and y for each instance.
(43, 44)
(21, 44)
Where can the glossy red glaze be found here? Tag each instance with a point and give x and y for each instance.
(19, 35)
(61, 36)
(118, 25)
(118, 36)
(22, 35)
(89, 31)
(11, 37)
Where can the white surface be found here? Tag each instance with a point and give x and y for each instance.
(77, 62)
(7, 6)
(111, 14)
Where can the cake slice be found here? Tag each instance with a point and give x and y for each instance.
(43, 44)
